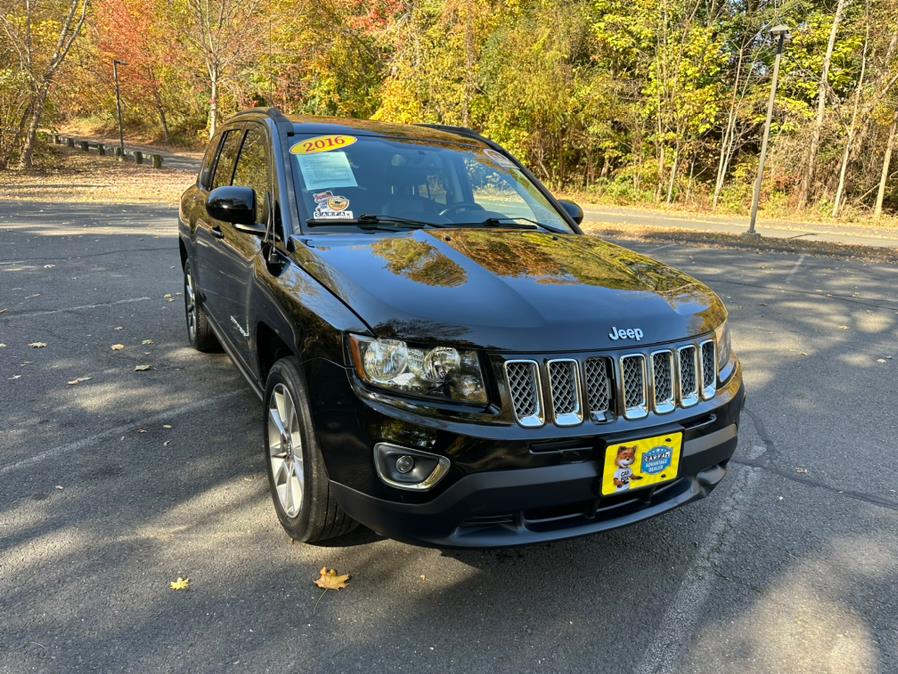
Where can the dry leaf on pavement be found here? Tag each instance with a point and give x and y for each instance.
(117, 347)
(180, 584)
(147, 342)
(77, 380)
(142, 368)
(37, 345)
(329, 580)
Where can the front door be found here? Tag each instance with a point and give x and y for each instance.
(238, 254)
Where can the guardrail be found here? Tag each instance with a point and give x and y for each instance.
(137, 156)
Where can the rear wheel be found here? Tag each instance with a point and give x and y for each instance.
(297, 476)
(199, 332)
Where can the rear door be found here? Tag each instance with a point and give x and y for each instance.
(237, 253)
(212, 278)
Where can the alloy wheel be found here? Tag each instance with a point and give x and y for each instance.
(285, 449)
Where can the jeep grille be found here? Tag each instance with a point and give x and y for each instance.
(602, 387)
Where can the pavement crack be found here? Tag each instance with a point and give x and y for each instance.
(850, 493)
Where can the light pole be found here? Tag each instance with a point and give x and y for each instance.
(118, 104)
(780, 32)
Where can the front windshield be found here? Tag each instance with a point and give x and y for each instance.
(344, 177)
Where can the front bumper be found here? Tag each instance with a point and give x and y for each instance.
(518, 506)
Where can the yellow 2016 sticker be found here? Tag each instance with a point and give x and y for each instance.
(322, 144)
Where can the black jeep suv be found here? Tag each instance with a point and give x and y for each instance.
(441, 354)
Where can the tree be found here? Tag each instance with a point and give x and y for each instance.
(807, 177)
(226, 39)
(30, 35)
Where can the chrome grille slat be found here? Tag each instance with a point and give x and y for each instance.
(687, 366)
(633, 383)
(663, 381)
(524, 390)
(598, 387)
(564, 385)
(709, 369)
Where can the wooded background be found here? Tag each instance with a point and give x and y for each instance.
(635, 101)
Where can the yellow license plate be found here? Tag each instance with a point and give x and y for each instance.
(641, 463)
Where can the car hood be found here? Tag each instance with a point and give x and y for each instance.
(513, 290)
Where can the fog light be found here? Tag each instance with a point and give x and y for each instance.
(405, 463)
(406, 468)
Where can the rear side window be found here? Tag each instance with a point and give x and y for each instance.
(224, 167)
(252, 170)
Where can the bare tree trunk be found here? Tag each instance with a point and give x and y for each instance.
(213, 101)
(673, 173)
(890, 144)
(807, 177)
(39, 100)
(727, 141)
(852, 127)
(163, 121)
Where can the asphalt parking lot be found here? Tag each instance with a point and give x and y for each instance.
(115, 486)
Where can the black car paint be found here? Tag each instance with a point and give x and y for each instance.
(300, 292)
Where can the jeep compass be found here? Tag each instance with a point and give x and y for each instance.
(441, 354)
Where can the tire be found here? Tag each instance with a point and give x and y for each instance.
(199, 332)
(297, 477)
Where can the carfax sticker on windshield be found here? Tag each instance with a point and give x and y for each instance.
(499, 158)
(331, 206)
(326, 170)
(322, 144)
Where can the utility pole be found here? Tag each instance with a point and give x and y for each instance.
(118, 104)
(780, 32)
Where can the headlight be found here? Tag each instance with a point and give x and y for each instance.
(439, 372)
(724, 349)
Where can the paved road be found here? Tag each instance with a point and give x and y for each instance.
(112, 488)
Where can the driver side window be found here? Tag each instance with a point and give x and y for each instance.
(494, 192)
(252, 170)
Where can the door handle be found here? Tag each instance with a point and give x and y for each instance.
(217, 233)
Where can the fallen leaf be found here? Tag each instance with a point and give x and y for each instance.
(37, 345)
(147, 342)
(117, 347)
(77, 380)
(329, 580)
(166, 425)
(141, 430)
(142, 368)
(3, 311)
(180, 584)
(117, 327)
(2, 345)
(49, 266)
(843, 327)
(880, 360)
(16, 376)
(801, 471)
(60, 487)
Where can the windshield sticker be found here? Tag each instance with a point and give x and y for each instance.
(328, 169)
(330, 206)
(322, 144)
(499, 158)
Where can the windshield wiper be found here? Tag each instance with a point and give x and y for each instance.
(511, 223)
(369, 219)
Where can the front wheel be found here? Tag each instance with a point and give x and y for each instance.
(199, 332)
(297, 477)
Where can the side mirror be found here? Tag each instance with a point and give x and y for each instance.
(572, 210)
(236, 205)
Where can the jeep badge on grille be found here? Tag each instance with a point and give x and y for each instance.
(629, 333)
